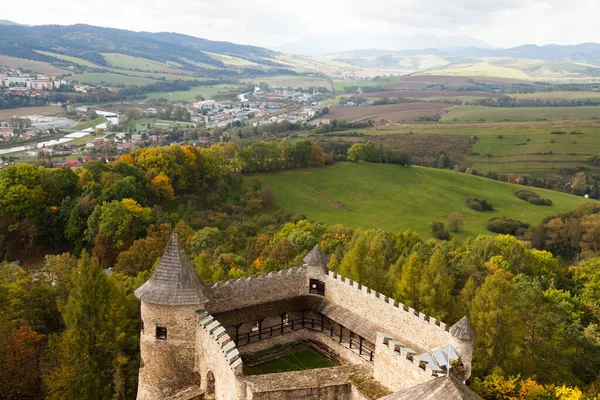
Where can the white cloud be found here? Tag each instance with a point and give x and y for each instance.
(274, 22)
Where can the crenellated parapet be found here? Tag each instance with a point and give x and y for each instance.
(394, 306)
(397, 366)
(257, 289)
(215, 331)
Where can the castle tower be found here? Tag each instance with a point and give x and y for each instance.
(170, 299)
(463, 335)
(317, 260)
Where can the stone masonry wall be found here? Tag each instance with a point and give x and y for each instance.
(333, 392)
(394, 317)
(394, 370)
(166, 366)
(257, 289)
(216, 353)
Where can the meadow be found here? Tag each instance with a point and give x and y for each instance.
(74, 60)
(307, 82)
(478, 113)
(392, 197)
(527, 148)
(124, 61)
(560, 95)
(190, 95)
(36, 66)
(110, 79)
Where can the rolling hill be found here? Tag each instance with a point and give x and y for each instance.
(91, 43)
(393, 197)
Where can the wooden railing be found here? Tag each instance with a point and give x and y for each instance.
(337, 332)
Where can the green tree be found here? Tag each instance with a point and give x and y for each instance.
(497, 321)
(86, 350)
(436, 287)
(408, 288)
(356, 152)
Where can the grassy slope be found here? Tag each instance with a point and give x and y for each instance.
(89, 124)
(558, 95)
(476, 113)
(395, 198)
(74, 60)
(108, 78)
(533, 158)
(190, 95)
(128, 62)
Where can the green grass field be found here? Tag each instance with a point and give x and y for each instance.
(483, 69)
(296, 81)
(295, 358)
(558, 95)
(74, 60)
(231, 61)
(88, 124)
(110, 79)
(392, 197)
(142, 124)
(128, 62)
(542, 156)
(190, 95)
(475, 113)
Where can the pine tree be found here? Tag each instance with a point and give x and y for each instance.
(87, 349)
(436, 287)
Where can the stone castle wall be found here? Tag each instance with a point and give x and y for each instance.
(166, 366)
(395, 369)
(216, 354)
(257, 289)
(407, 323)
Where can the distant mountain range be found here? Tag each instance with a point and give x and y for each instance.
(449, 55)
(582, 53)
(323, 45)
(89, 42)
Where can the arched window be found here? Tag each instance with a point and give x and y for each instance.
(210, 383)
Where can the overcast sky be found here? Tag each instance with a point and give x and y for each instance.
(502, 23)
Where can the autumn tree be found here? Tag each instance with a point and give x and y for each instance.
(456, 221)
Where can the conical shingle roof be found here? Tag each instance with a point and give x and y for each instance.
(174, 281)
(463, 330)
(444, 388)
(316, 258)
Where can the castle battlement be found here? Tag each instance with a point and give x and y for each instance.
(217, 332)
(387, 300)
(253, 278)
(192, 333)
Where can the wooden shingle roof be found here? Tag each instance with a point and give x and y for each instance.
(444, 388)
(463, 330)
(174, 281)
(316, 258)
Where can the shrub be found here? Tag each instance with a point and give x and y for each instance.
(558, 133)
(479, 204)
(437, 225)
(532, 198)
(441, 235)
(505, 225)
(500, 137)
(456, 221)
